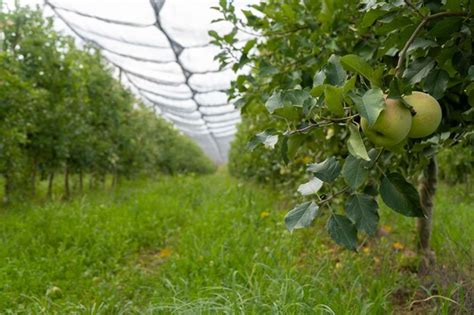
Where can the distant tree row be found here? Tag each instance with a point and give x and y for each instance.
(62, 112)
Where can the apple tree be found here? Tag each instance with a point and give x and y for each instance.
(63, 113)
(393, 80)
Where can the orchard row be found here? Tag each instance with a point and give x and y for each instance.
(63, 112)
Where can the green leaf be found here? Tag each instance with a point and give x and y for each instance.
(294, 143)
(333, 98)
(371, 16)
(453, 5)
(445, 28)
(287, 104)
(362, 210)
(214, 34)
(275, 102)
(301, 216)
(470, 73)
(230, 37)
(373, 103)
(327, 171)
(355, 144)
(421, 43)
(326, 14)
(308, 106)
(268, 138)
(356, 64)
(349, 85)
(355, 171)
(318, 90)
(398, 87)
(377, 76)
(266, 69)
(342, 231)
(311, 187)
(395, 90)
(436, 83)
(418, 69)
(335, 74)
(470, 94)
(249, 45)
(400, 195)
(319, 78)
(288, 11)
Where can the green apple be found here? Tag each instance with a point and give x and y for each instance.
(428, 114)
(392, 125)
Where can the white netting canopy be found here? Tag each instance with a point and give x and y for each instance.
(162, 50)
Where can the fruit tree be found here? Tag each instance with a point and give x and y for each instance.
(389, 83)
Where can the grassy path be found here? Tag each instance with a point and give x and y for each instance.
(212, 245)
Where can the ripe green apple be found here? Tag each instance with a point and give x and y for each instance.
(392, 125)
(428, 114)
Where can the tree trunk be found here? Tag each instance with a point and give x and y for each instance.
(33, 180)
(50, 185)
(91, 181)
(81, 181)
(8, 188)
(114, 179)
(67, 191)
(427, 189)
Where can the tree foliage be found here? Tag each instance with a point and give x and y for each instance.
(319, 66)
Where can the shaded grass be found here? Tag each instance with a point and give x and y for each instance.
(210, 244)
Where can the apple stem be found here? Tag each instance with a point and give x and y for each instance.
(411, 108)
(426, 19)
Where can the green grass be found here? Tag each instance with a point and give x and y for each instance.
(199, 244)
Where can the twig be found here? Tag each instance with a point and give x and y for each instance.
(377, 158)
(340, 119)
(363, 243)
(242, 28)
(284, 33)
(430, 298)
(325, 200)
(298, 62)
(411, 5)
(381, 170)
(426, 19)
(325, 122)
(309, 127)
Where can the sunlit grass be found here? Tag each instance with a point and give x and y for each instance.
(209, 244)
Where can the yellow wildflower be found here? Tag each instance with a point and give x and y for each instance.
(165, 252)
(398, 246)
(264, 214)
